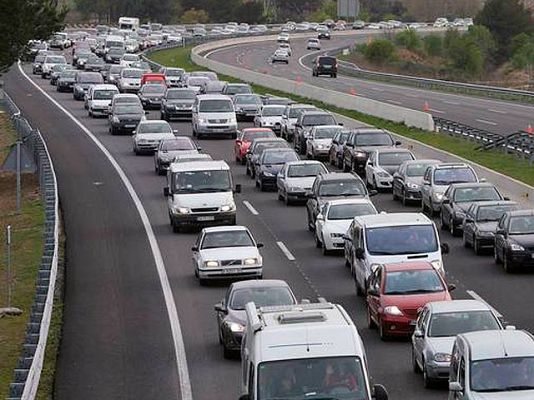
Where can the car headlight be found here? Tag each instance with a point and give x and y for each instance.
(437, 196)
(235, 327)
(267, 173)
(250, 261)
(320, 146)
(211, 264)
(411, 185)
(383, 174)
(392, 310)
(116, 120)
(202, 121)
(336, 235)
(442, 357)
(516, 247)
(228, 207)
(232, 120)
(360, 154)
(437, 264)
(294, 189)
(180, 210)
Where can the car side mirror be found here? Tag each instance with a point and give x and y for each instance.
(373, 192)
(446, 201)
(451, 287)
(259, 245)
(445, 248)
(360, 254)
(380, 392)
(372, 291)
(418, 333)
(320, 217)
(501, 232)
(194, 248)
(166, 191)
(482, 180)
(455, 387)
(398, 143)
(237, 188)
(340, 123)
(220, 308)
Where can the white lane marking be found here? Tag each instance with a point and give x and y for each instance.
(486, 122)
(410, 95)
(250, 208)
(178, 341)
(436, 111)
(394, 101)
(286, 251)
(455, 103)
(377, 89)
(497, 111)
(476, 296)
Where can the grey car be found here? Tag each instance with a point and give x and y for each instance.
(305, 122)
(320, 140)
(247, 106)
(256, 149)
(66, 80)
(408, 179)
(436, 329)
(231, 89)
(169, 149)
(125, 118)
(83, 81)
(280, 56)
(94, 63)
(296, 178)
(177, 103)
(230, 312)
(151, 95)
(114, 73)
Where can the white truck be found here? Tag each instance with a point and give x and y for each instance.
(128, 23)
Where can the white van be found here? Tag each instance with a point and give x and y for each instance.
(304, 351)
(392, 238)
(98, 99)
(214, 114)
(200, 193)
(113, 41)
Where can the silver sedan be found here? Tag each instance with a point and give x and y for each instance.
(280, 56)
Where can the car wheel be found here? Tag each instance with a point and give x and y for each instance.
(428, 383)
(496, 257)
(465, 242)
(507, 266)
(453, 229)
(370, 323)
(415, 366)
(382, 331)
(227, 353)
(318, 243)
(477, 247)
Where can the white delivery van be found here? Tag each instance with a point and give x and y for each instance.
(392, 238)
(304, 351)
(200, 193)
(212, 115)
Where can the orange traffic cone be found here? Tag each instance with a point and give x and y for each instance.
(530, 131)
(426, 107)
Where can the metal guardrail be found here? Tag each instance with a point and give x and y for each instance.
(520, 143)
(433, 84)
(28, 370)
(454, 128)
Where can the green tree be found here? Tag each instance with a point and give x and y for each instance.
(523, 58)
(23, 20)
(433, 45)
(379, 51)
(483, 38)
(466, 57)
(505, 19)
(194, 16)
(409, 39)
(328, 10)
(519, 41)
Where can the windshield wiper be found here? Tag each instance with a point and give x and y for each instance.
(210, 190)
(518, 387)
(413, 291)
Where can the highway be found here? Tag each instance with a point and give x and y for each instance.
(117, 339)
(491, 115)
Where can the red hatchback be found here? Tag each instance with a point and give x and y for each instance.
(245, 138)
(397, 292)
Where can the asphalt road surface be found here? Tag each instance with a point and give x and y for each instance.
(116, 341)
(491, 115)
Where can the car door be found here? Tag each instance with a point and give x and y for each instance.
(347, 149)
(360, 264)
(499, 237)
(419, 341)
(370, 168)
(398, 180)
(347, 244)
(373, 293)
(281, 179)
(469, 223)
(425, 188)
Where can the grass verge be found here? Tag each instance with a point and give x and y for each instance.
(26, 251)
(506, 164)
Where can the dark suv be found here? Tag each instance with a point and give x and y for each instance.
(325, 65)
(360, 143)
(331, 186)
(305, 122)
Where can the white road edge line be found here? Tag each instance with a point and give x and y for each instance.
(486, 122)
(250, 208)
(179, 347)
(286, 251)
(476, 296)
(497, 111)
(436, 111)
(454, 103)
(394, 101)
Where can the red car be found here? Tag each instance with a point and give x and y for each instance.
(245, 138)
(397, 292)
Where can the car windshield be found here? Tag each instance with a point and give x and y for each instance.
(522, 225)
(326, 133)
(395, 240)
(412, 282)
(215, 106)
(91, 78)
(272, 111)
(202, 181)
(250, 99)
(104, 94)
(485, 193)
(231, 90)
(279, 157)
(446, 176)
(373, 139)
(329, 378)
(392, 159)
(502, 374)
(313, 120)
(129, 109)
(55, 60)
(493, 213)
(197, 81)
(454, 323)
(349, 211)
(181, 94)
(130, 57)
(157, 89)
(327, 60)
(154, 128)
(416, 169)
(67, 74)
(353, 187)
(174, 72)
(240, 238)
(248, 136)
(303, 170)
(132, 73)
(269, 145)
(177, 144)
(261, 296)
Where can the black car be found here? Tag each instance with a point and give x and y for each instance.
(66, 80)
(335, 185)
(325, 65)
(94, 63)
(480, 223)
(114, 55)
(84, 80)
(231, 314)
(177, 103)
(269, 165)
(114, 73)
(514, 240)
(323, 34)
(335, 154)
(360, 143)
(124, 118)
(457, 199)
(408, 179)
(305, 122)
(256, 149)
(151, 95)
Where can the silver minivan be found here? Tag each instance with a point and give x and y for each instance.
(214, 115)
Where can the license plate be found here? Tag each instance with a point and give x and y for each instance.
(328, 66)
(231, 270)
(206, 218)
(218, 129)
(129, 126)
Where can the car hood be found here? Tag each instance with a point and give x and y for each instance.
(67, 80)
(272, 168)
(439, 188)
(516, 395)
(193, 200)
(417, 180)
(305, 182)
(238, 316)
(412, 301)
(441, 344)
(523, 240)
(272, 120)
(129, 116)
(324, 142)
(180, 101)
(169, 155)
(487, 226)
(390, 169)
(229, 253)
(340, 226)
(154, 136)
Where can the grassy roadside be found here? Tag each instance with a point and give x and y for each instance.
(27, 244)
(503, 163)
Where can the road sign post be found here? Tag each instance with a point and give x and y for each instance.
(9, 310)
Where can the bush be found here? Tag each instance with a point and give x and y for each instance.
(409, 39)
(465, 56)
(379, 51)
(524, 56)
(194, 16)
(433, 45)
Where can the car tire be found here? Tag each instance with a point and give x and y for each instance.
(453, 229)
(428, 383)
(415, 366)
(381, 332)
(477, 247)
(370, 323)
(318, 243)
(508, 268)
(496, 257)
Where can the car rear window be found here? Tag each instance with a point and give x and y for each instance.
(327, 60)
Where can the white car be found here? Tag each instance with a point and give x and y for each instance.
(313, 44)
(49, 62)
(280, 56)
(320, 140)
(286, 47)
(130, 80)
(283, 37)
(148, 135)
(382, 164)
(98, 99)
(334, 220)
(128, 60)
(270, 116)
(226, 252)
